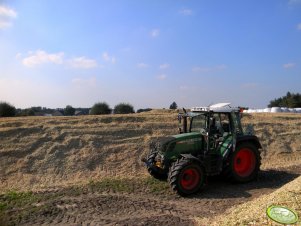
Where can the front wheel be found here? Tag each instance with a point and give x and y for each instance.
(153, 170)
(186, 177)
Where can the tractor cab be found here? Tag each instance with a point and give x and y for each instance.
(214, 119)
(218, 124)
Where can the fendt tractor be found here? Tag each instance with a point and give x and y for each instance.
(211, 142)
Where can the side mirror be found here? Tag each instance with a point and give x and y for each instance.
(179, 118)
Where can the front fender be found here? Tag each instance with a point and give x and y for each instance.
(191, 157)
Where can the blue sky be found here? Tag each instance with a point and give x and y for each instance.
(149, 53)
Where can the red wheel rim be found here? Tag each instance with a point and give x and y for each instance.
(244, 162)
(190, 179)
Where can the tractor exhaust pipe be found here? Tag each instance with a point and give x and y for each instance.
(185, 121)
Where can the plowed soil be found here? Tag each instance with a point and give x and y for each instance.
(87, 171)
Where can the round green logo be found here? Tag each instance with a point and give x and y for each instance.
(282, 215)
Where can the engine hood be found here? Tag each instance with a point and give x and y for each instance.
(186, 136)
(168, 143)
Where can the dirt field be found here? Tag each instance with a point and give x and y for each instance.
(86, 171)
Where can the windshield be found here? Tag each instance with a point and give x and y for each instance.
(198, 123)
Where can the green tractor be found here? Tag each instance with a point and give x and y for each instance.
(211, 142)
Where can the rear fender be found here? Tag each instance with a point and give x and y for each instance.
(250, 138)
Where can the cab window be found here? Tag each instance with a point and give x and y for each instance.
(198, 123)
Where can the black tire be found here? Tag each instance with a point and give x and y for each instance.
(154, 170)
(243, 164)
(186, 177)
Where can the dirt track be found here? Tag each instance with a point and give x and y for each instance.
(134, 198)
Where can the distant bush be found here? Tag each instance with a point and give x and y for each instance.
(7, 110)
(123, 108)
(100, 109)
(69, 110)
(26, 112)
(144, 110)
(36, 109)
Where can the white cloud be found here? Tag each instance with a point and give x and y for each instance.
(186, 12)
(42, 57)
(6, 16)
(299, 26)
(142, 65)
(7, 12)
(162, 76)
(209, 69)
(39, 57)
(164, 66)
(83, 62)
(155, 33)
(289, 65)
(106, 57)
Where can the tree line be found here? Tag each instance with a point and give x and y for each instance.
(290, 100)
(100, 108)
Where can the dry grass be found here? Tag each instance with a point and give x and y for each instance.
(254, 212)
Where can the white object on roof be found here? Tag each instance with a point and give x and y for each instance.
(220, 107)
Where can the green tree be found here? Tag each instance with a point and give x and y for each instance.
(123, 108)
(173, 105)
(101, 108)
(291, 100)
(69, 110)
(7, 110)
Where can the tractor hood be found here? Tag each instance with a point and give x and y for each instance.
(172, 147)
(185, 142)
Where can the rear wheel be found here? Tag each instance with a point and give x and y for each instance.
(186, 177)
(243, 164)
